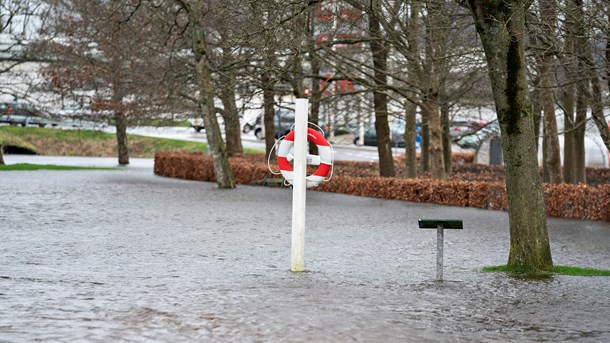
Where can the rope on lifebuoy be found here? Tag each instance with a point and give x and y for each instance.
(324, 153)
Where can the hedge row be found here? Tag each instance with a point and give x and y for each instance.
(567, 201)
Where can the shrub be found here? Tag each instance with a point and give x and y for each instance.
(359, 178)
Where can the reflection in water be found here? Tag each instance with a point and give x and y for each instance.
(127, 256)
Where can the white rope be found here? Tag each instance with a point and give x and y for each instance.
(332, 162)
(319, 129)
(269, 156)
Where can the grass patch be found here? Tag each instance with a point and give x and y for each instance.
(57, 142)
(557, 270)
(28, 166)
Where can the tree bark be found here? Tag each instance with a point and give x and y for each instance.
(410, 141)
(268, 114)
(121, 136)
(432, 112)
(120, 117)
(414, 70)
(582, 99)
(232, 125)
(1, 155)
(582, 90)
(446, 138)
(551, 152)
(379, 51)
(425, 142)
(230, 115)
(568, 91)
(503, 43)
(216, 146)
(608, 45)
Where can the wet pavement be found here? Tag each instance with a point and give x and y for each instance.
(123, 255)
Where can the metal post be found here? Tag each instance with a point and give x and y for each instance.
(439, 252)
(440, 225)
(297, 262)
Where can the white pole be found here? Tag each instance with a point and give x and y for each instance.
(297, 263)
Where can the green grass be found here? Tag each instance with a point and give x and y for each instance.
(47, 141)
(557, 270)
(28, 166)
(71, 135)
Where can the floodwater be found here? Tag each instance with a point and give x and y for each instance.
(126, 256)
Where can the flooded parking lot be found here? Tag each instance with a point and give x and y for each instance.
(123, 255)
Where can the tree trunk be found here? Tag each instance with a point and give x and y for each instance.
(1, 155)
(268, 114)
(503, 42)
(568, 90)
(410, 141)
(121, 136)
(446, 138)
(569, 167)
(582, 90)
(230, 115)
(582, 97)
(425, 142)
(432, 112)
(608, 45)
(216, 146)
(413, 35)
(379, 51)
(550, 144)
(537, 113)
(232, 125)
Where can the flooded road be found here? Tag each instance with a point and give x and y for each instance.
(105, 256)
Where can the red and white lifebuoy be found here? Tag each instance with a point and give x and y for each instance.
(324, 152)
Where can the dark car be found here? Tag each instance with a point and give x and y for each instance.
(397, 129)
(283, 122)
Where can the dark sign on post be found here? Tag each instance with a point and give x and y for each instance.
(440, 225)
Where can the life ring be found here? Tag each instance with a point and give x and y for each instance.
(324, 152)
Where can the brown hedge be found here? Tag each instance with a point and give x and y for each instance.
(564, 200)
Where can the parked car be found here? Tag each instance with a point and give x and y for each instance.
(474, 139)
(283, 121)
(248, 125)
(22, 113)
(198, 125)
(397, 134)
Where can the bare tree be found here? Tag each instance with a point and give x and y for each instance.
(503, 42)
(196, 13)
(545, 37)
(102, 52)
(380, 49)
